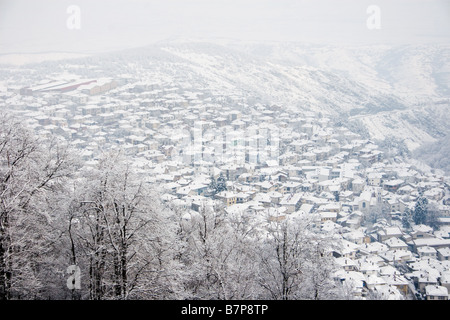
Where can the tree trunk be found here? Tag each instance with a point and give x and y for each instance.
(4, 295)
(5, 273)
(124, 271)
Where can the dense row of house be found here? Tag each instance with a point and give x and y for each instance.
(276, 164)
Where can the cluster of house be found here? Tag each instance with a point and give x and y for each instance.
(276, 162)
(391, 263)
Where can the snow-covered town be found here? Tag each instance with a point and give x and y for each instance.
(202, 148)
(227, 155)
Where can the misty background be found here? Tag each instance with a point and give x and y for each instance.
(41, 26)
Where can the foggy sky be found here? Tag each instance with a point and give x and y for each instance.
(40, 25)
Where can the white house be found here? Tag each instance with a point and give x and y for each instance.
(433, 292)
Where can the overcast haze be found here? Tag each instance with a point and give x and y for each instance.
(40, 25)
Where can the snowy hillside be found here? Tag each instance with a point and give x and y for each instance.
(394, 91)
(26, 58)
(400, 92)
(406, 71)
(299, 85)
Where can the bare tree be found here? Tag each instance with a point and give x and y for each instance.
(295, 261)
(32, 172)
(281, 260)
(219, 255)
(125, 236)
(319, 269)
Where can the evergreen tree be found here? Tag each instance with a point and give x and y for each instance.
(217, 186)
(221, 184)
(212, 187)
(336, 196)
(420, 210)
(406, 219)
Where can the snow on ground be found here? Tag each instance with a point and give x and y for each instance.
(19, 59)
(381, 126)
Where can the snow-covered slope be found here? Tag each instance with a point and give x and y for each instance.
(19, 59)
(421, 71)
(282, 81)
(400, 92)
(394, 91)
